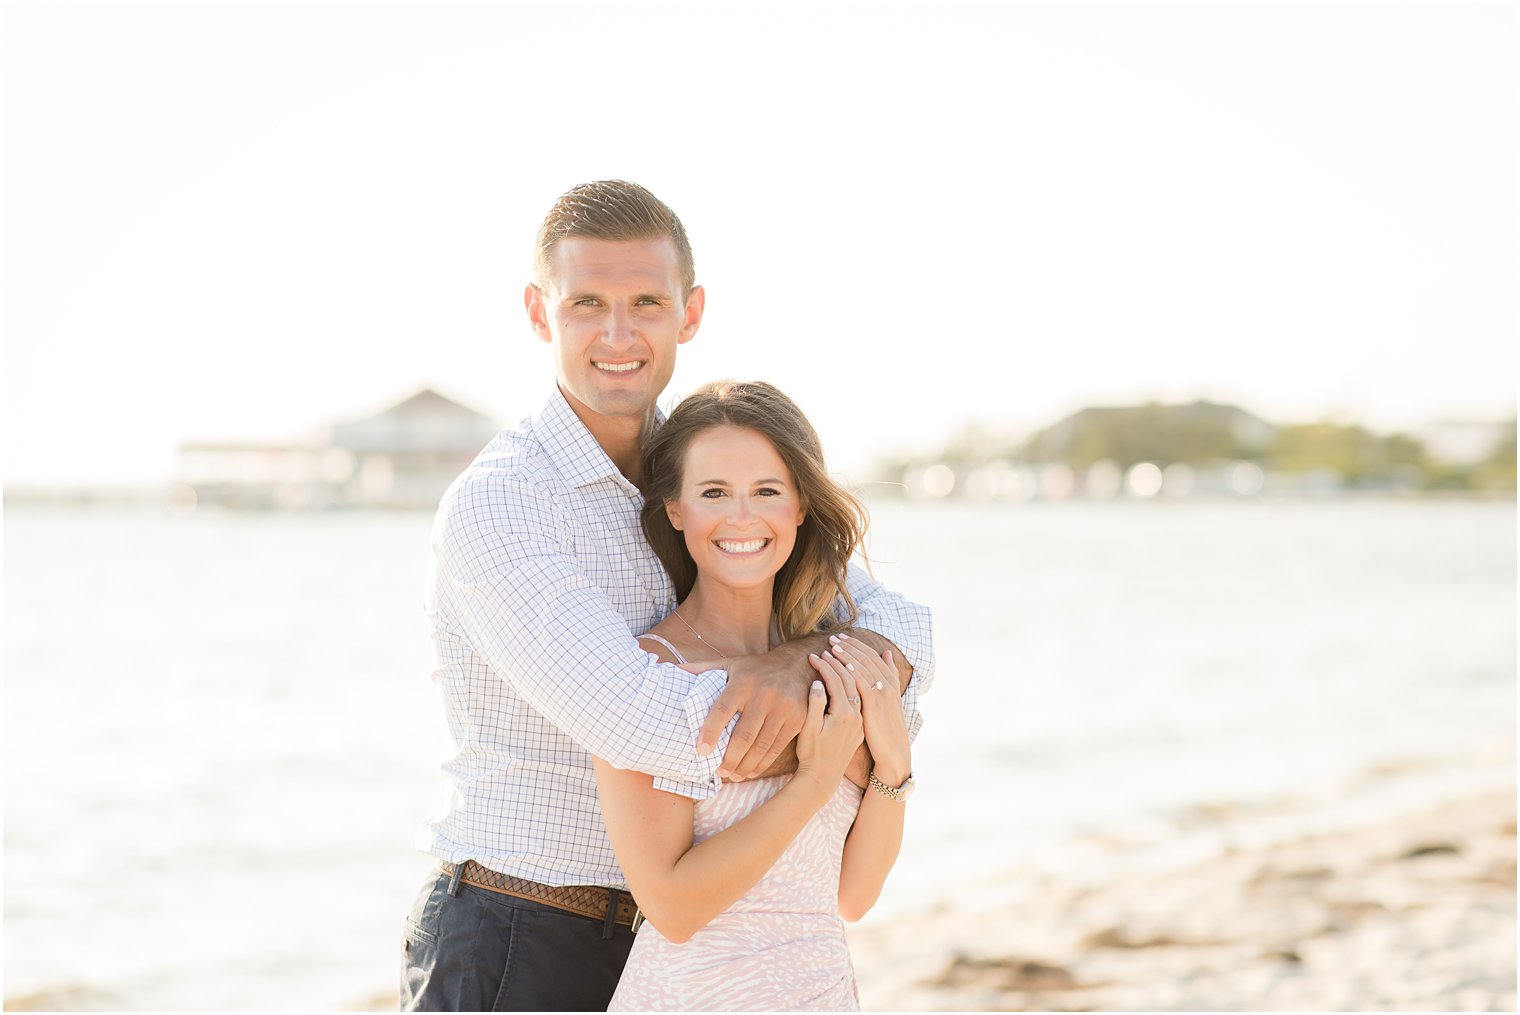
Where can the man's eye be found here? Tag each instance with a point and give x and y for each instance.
(588, 302)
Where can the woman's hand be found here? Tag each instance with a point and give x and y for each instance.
(832, 730)
(874, 680)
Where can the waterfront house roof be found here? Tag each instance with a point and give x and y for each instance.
(424, 421)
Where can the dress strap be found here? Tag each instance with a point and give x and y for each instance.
(675, 651)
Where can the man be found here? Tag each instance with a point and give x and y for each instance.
(540, 579)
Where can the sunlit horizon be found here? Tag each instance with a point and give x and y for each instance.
(240, 222)
(856, 458)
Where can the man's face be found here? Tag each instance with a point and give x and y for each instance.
(614, 313)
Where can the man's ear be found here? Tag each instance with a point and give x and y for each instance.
(538, 314)
(673, 512)
(696, 303)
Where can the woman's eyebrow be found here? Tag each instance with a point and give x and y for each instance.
(724, 482)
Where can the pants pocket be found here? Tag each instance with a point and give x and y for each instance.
(427, 911)
(419, 945)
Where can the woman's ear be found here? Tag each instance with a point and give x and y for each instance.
(673, 512)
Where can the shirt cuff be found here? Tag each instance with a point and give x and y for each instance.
(704, 782)
(902, 637)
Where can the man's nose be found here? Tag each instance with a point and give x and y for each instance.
(619, 327)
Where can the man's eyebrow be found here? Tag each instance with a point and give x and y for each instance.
(591, 294)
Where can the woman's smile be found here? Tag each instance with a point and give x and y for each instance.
(747, 547)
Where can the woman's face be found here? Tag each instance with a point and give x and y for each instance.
(737, 507)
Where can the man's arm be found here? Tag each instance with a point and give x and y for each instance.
(509, 580)
(770, 691)
(885, 621)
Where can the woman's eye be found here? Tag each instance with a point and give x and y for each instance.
(766, 491)
(712, 494)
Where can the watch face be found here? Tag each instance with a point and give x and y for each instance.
(906, 789)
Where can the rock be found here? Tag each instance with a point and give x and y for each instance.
(1114, 937)
(1431, 849)
(1006, 974)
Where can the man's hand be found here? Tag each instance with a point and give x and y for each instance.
(770, 692)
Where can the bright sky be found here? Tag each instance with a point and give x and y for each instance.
(241, 220)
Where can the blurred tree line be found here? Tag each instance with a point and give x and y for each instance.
(1206, 433)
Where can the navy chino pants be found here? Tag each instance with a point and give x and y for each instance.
(479, 950)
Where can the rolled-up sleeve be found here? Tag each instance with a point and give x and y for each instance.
(904, 623)
(512, 583)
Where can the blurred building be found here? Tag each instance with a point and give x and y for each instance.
(402, 457)
(1462, 442)
(1127, 435)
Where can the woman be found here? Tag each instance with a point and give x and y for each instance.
(743, 893)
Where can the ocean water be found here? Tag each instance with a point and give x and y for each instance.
(220, 733)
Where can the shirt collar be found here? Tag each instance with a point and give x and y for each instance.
(579, 459)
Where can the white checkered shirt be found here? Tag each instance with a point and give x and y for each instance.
(539, 579)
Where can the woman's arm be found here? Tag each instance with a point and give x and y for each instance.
(680, 886)
(876, 837)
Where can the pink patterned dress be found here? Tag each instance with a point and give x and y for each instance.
(779, 948)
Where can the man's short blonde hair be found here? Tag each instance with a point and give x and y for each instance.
(611, 210)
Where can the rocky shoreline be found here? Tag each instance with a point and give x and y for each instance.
(1408, 913)
(1413, 913)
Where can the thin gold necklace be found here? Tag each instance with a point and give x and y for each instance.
(721, 654)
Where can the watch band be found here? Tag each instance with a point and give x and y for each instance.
(892, 792)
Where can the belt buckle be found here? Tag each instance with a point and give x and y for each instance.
(638, 917)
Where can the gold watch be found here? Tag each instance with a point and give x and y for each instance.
(898, 793)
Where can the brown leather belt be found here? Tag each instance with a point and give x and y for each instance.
(583, 900)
